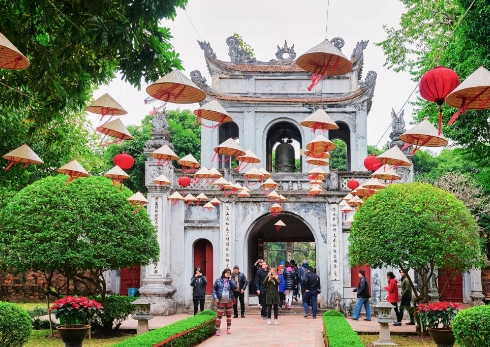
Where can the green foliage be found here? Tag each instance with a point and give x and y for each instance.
(15, 325)
(41, 324)
(185, 137)
(86, 225)
(116, 309)
(203, 324)
(245, 46)
(276, 252)
(338, 331)
(471, 327)
(425, 227)
(338, 157)
(38, 311)
(374, 150)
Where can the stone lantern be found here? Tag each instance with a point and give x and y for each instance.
(384, 318)
(142, 314)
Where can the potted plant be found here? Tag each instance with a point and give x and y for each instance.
(437, 317)
(74, 313)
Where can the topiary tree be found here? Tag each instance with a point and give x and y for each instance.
(15, 325)
(79, 230)
(415, 226)
(471, 327)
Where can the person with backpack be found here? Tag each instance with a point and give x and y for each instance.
(312, 288)
(302, 276)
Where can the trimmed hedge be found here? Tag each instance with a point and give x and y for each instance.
(184, 333)
(337, 332)
(15, 325)
(471, 327)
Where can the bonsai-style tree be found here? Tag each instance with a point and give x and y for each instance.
(415, 226)
(79, 230)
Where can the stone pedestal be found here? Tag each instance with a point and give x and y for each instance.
(476, 288)
(160, 291)
(143, 327)
(384, 319)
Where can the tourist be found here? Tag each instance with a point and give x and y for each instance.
(198, 282)
(255, 268)
(362, 297)
(393, 297)
(282, 289)
(241, 284)
(262, 288)
(281, 267)
(312, 289)
(223, 295)
(406, 299)
(291, 279)
(272, 298)
(297, 270)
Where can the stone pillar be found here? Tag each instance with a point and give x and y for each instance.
(476, 288)
(289, 250)
(384, 319)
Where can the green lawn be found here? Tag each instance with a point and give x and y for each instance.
(41, 338)
(404, 341)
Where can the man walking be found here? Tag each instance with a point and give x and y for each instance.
(362, 297)
(406, 297)
(312, 287)
(241, 285)
(262, 288)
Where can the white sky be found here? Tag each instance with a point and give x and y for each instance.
(266, 24)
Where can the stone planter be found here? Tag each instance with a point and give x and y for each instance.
(73, 335)
(442, 337)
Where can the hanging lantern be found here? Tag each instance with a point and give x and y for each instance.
(23, 154)
(371, 163)
(74, 170)
(175, 198)
(275, 209)
(212, 111)
(138, 200)
(124, 161)
(435, 85)
(10, 56)
(117, 175)
(184, 181)
(279, 224)
(353, 184)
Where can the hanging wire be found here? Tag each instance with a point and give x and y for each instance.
(192, 24)
(326, 21)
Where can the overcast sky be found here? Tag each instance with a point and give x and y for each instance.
(266, 24)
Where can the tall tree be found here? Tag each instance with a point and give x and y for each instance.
(338, 157)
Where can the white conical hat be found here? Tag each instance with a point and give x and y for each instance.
(213, 111)
(343, 203)
(325, 59)
(394, 156)
(164, 153)
(265, 173)
(10, 56)
(283, 198)
(253, 173)
(188, 161)
(23, 154)
(176, 196)
(162, 180)
(73, 169)
(386, 172)
(423, 134)
(229, 148)
(320, 144)
(190, 197)
(209, 206)
(373, 183)
(322, 155)
(319, 120)
(203, 172)
(106, 105)
(347, 197)
(116, 172)
(176, 88)
(220, 182)
(473, 93)
(248, 157)
(280, 223)
(350, 219)
(215, 201)
(215, 173)
(138, 197)
(317, 161)
(276, 207)
(347, 208)
(269, 184)
(202, 197)
(273, 196)
(115, 128)
(317, 170)
(243, 194)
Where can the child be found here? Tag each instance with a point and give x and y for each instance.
(282, 289)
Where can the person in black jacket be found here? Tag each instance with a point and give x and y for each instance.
(312, 287)
(362, 297)
(291, 279)
(198, 282)
(241, 285)
(262, 289)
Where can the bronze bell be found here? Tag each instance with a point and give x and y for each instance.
(285, 161)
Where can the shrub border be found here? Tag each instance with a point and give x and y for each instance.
(338, 331)
(171, 338)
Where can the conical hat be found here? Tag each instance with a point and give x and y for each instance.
(248, 157)
(373, 183)
(319, 120)
(229, 186)
(138, 197)
(162, 180)
(276, 207)
(265, 172)
(325, 59)
(315, 161)
(317, 170)
(202, 197)
(343, 203)
(320, 144)
(203, 172)
(106, 105)
(386, 172)
(273, 195)
(115, 128)
(190, 197)
(347, 197)
(317, 182)
(220, 182)
(214, 173)
(213, 111)
(246, 188)
(346, 209)
(253, 173)
(229, 148)
(315, 189)
(355, 201)
(73, 168)
(280, 223)
(164, 153)
(176, 196)
(283, 198)
(10, 56)
(473, 93)
(423, 134)
(269, 184)
(394, 156)
(116, 172)
(215, 201)
(322, 155)
(176, 88)
(243, 194)
(188, 161)
(209, 205)
(23, 154)
(350, 219)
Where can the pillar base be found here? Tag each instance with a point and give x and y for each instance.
(160, 291)
(384, 336)
(477, 298)
(143, 327)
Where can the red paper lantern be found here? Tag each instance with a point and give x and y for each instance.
(184, 181)
(353, 184)
(371, 163)
(436, 84)
(124, 161)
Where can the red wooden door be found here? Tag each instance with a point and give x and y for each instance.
(130, 278)
(354, 276)
(203, 257)
(450, 285)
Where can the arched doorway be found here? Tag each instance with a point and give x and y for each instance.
(276, 134)
(226, 131)
(203, 257)
(342, 133)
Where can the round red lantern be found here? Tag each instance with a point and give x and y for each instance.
(436, 84)
(184, 181)
(124, 161)
(371, 163)
(353, 184)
